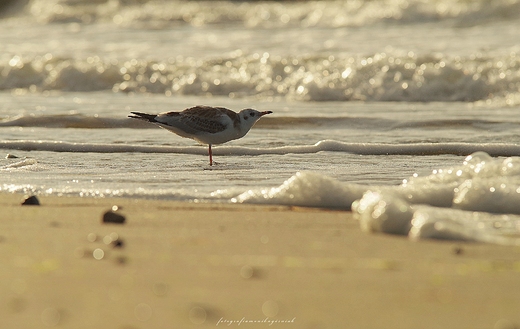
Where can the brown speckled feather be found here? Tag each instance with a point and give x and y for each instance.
(202, 118)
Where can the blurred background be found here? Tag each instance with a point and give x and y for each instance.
(371, 50)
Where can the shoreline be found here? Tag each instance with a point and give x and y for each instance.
(212, 264)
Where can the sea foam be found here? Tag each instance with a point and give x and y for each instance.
(305, 189)
(458, 203)
(495, 149)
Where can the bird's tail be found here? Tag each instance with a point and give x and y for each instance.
(143, 116)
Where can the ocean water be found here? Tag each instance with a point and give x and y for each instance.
(405, 112)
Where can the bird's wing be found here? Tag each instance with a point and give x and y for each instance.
(200, 119)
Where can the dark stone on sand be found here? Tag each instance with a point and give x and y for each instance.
(31, 201)
(121, 260)
(118, 243)
(113, 217)
(457, 250)
(11, 156)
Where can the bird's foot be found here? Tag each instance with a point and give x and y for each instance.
(211, 166)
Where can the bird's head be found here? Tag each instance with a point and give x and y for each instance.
(250, 116)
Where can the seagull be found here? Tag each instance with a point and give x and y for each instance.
(205, 124)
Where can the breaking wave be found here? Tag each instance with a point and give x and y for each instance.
(380, 77)
(83, 121)
(494, 149)
(156, 14)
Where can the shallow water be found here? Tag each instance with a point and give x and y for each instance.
(365, 95)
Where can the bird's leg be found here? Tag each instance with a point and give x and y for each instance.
(210, 156)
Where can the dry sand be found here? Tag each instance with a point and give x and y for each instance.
(182, 265)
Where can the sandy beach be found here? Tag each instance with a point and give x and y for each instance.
(416, 101)
(186, 265)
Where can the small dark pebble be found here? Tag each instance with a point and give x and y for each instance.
(31, 201)
(113, 217)
(457, 250)
(121, 260)
(118, 243)
(11, 156)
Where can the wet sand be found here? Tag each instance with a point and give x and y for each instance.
(187, 265)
